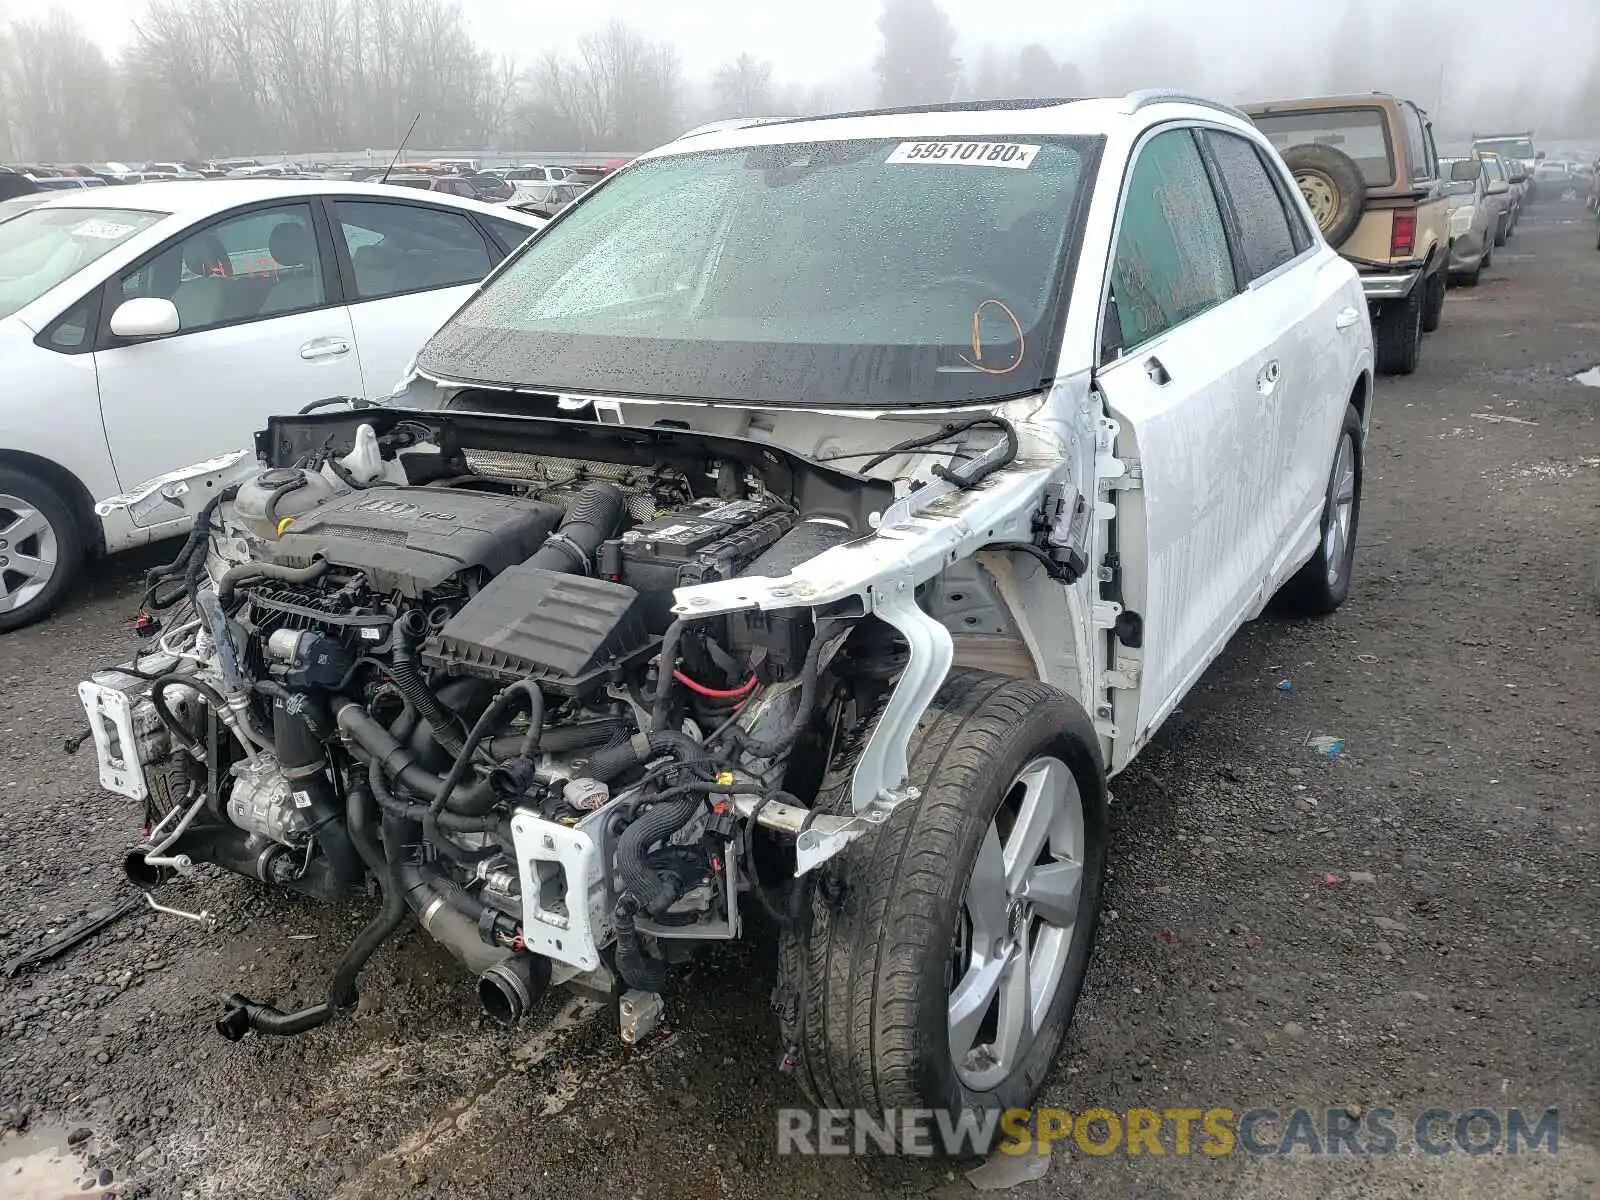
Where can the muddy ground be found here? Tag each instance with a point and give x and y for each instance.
(1453, 963)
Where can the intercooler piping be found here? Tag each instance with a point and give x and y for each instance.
(510, 982)
(401, 765)
(590, 519)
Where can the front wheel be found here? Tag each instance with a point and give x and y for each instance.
(943, 971)
(41, 548)
(1322, 585)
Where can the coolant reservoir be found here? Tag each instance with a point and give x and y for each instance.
(266, 501)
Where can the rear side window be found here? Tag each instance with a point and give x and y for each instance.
(1362, 133)
(399, 248)
(1264, 229)
(511, 234)
(1417, 143)
(1172, 260)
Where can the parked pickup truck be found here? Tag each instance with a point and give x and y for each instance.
(1368, 168)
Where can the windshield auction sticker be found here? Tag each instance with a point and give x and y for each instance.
(966, 154)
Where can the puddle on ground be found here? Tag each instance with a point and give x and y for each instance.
(39, 1165)
(1589, 378)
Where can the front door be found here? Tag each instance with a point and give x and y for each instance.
(259, 336)
(1192, 538)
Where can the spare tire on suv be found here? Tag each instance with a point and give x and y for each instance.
(1333, 187)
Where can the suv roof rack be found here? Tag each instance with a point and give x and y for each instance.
(1145, 97)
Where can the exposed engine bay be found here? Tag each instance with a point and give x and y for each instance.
(407, 652)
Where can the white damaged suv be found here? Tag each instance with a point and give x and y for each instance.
(811, 519)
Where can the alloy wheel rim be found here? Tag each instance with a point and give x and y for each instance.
(1342, 508)
(29, 552)
(1017, 922)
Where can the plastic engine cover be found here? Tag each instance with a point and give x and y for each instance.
(565, 630)
(412, 539)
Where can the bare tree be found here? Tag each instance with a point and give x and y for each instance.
(743, 88)
(60, 90)
(918, 63)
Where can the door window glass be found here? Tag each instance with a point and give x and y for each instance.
(1264, 227)
(1172, 260)
(398, 248)
(256, 265)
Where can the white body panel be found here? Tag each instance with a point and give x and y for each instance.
(389, 332)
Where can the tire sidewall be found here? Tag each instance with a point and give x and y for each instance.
(69, 545)
(1044, 733)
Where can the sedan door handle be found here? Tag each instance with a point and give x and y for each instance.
(1347, 319)
(1267, 378)
(324, 347)
(1157, 372)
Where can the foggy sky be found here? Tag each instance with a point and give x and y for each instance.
(1228, 48)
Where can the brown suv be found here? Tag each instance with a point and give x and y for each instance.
(1368, 168)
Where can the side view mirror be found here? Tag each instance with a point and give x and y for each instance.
(1499, 187)
(146, 317)
(1538, 156)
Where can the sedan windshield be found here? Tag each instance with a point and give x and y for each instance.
(45, 246)
(879, 273)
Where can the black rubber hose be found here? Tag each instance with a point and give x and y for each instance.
(638, 969)
(158, 701)
(400, 764)
(251, 572)
(595, 515)
(666, 664)
(563, 739)
(407, 675)
(395, 807)
(270, 508)
(480, 730)
(613, 761)
(661, 821)
(242, 1015)
(303, 759)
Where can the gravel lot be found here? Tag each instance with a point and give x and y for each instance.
(1410, 923)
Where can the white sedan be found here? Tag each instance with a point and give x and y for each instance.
(145, 327)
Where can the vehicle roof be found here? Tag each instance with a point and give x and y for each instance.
(1353, 100)
(194, 198)
(1012, 118)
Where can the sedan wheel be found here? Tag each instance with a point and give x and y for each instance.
(41, 548)
(1321, 586)
(29, 553)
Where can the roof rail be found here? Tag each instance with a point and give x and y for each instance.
(1145, 97)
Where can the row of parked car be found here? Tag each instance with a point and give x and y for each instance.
(292, 289)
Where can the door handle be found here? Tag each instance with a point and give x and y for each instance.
(1347, 319)
(324, 347)
(1267, 378)
(1157, 372)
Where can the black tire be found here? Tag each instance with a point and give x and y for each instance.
(1488, 258)
(1433, 301)
(1470, 279)
(1332, 185)
(62, 533)
(1316, 590)
(866, 982)
(1397, 333)
(1502, 230)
